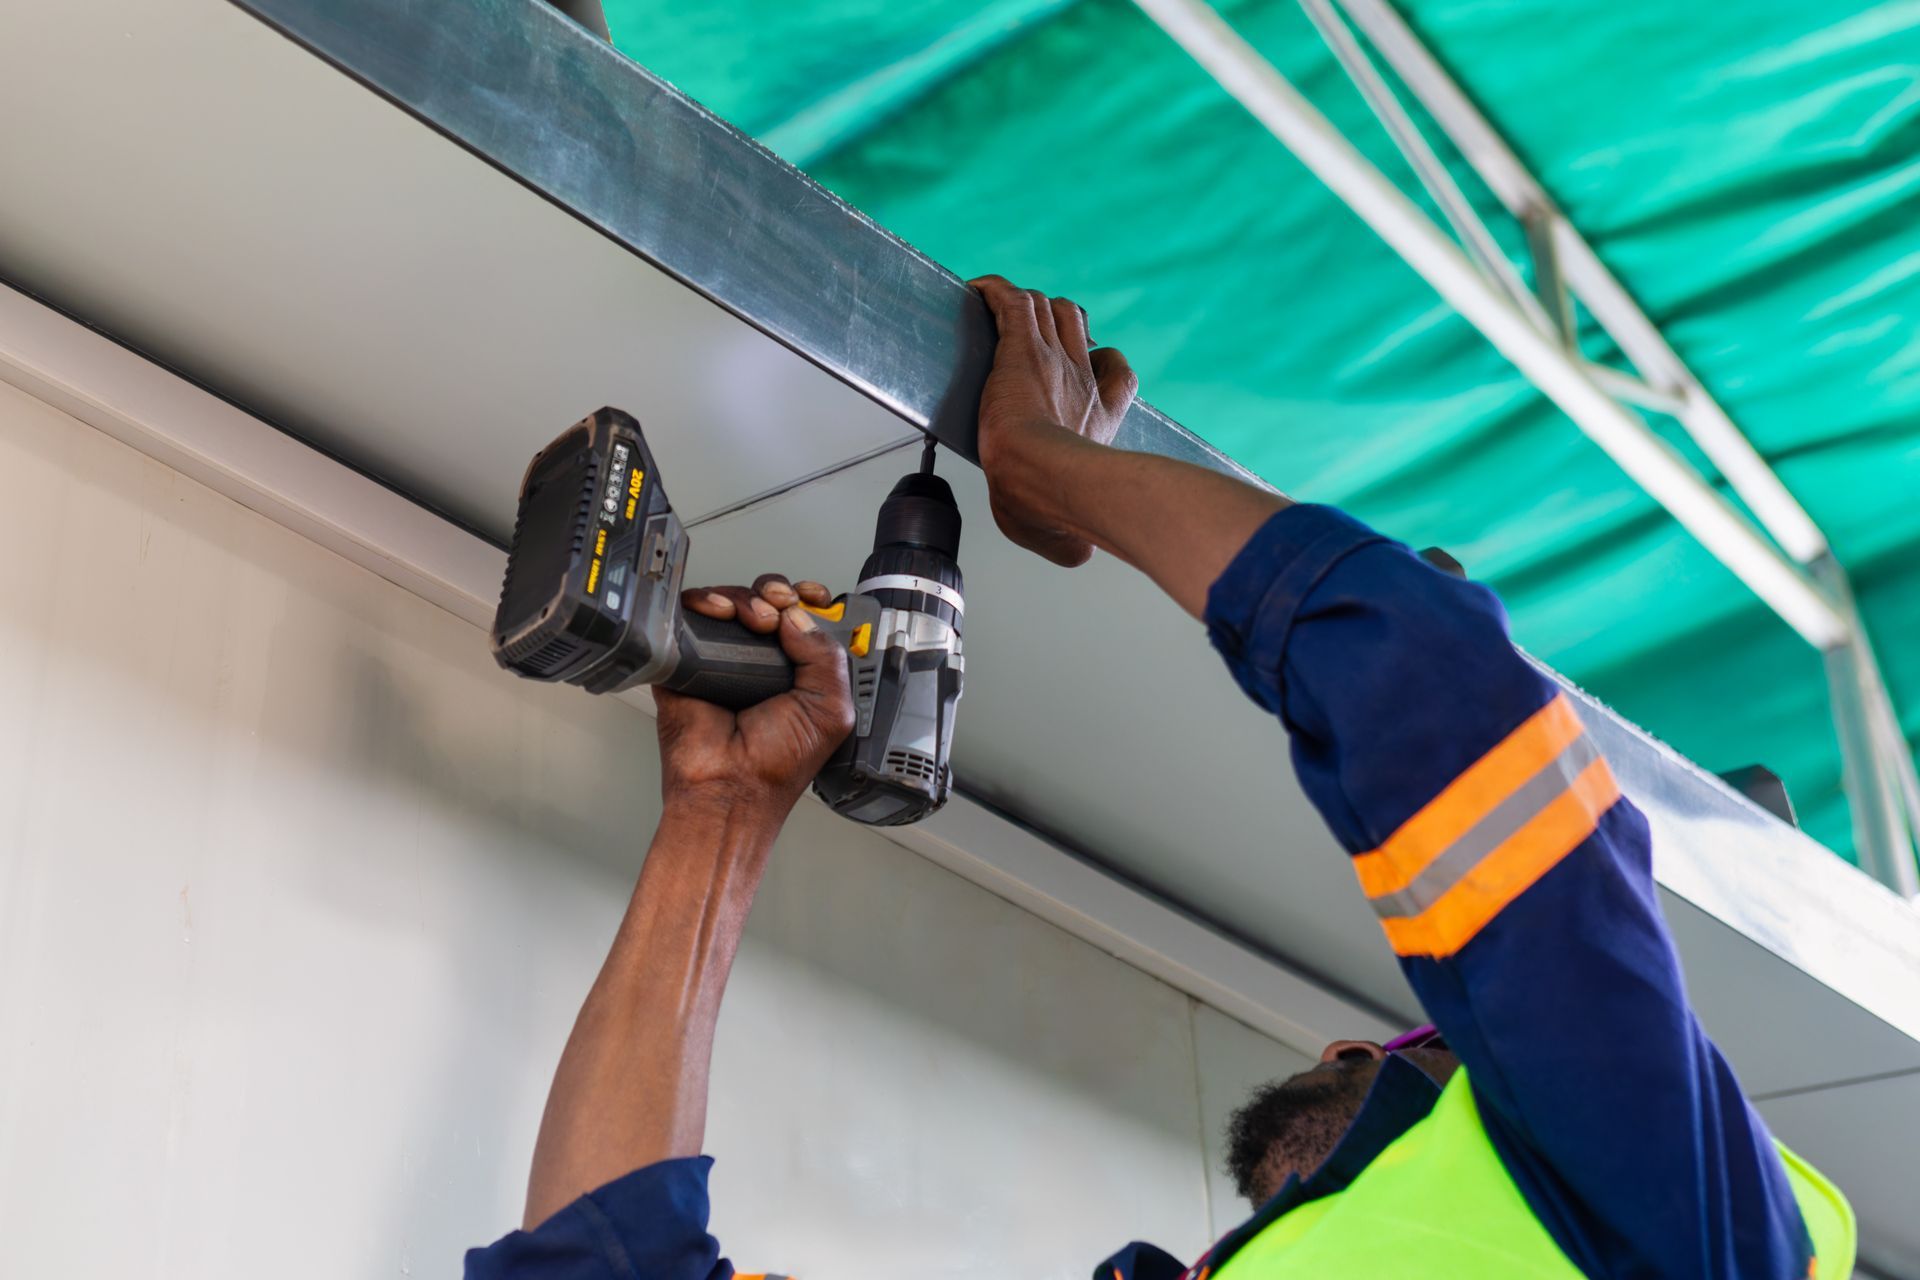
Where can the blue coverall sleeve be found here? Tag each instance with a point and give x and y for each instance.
(1515, 885)
(649, 1225)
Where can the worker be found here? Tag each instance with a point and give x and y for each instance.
(1565, 1116)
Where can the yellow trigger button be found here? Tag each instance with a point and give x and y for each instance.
(862, 639)
(832, 613)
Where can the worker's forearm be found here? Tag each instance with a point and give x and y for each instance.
(1179, 523)
(631, 1088)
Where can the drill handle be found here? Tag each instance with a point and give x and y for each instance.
(723, 662)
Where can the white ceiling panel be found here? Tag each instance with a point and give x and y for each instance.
(213, 194)
(1780, 1027)
(1863, 1136)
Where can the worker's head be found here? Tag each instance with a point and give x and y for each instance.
(1291, 1126)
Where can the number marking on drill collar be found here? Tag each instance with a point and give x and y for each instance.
(911, 582)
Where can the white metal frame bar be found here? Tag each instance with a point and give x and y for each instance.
(1883, 787)
(162, 415)
(1652, 464)
(1798, 579)
(1427, 165)
(1589, 279)
(1883, 791)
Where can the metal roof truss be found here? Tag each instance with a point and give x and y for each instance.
(1786, 561)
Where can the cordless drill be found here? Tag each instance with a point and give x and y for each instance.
(592, 597)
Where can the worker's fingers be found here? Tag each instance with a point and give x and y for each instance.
(1000, 293)
(775, 589)
(757, 607)
(1043, 317)
(819, 674)
(1115, 378)
(1012, 309)
(741, 603)
(1070, 321)
(707, 602)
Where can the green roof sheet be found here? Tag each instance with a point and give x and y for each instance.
(1750, 171)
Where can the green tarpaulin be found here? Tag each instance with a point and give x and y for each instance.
(1751, 171)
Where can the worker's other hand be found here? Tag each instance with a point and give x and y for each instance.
(1046, 389)
(762, 758)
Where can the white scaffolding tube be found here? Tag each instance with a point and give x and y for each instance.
(1804, 585)
(1583, 272)
(1658, 469)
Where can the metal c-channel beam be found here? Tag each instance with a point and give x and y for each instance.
(529, 91)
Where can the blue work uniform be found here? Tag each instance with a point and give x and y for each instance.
(1513, 882)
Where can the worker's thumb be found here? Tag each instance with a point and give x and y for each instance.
(1115, 378)
(819, 671)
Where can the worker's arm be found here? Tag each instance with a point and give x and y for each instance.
(1512, 880)
(618, 1185)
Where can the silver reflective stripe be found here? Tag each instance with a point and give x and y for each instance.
(909, 582)
(1492, 831)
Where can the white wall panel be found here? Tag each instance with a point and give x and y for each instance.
(989, 1095)
(298, 895)
(1231, 1061)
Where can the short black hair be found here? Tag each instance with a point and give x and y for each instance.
(1293, 1125)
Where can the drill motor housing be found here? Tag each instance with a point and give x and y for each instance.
(592, 597)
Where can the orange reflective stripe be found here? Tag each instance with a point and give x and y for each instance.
(1468, 798)
(1503, 875)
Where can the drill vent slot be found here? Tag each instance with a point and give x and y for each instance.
(544, 659)
(912, 764)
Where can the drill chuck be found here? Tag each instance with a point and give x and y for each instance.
(919, 514)
(893, 769)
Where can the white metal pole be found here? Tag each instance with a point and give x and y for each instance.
(1482, 146)
(1879, 763)
(1427, 166)
(1882, 838)
(1648, 460)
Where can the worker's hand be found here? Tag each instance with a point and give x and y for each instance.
(1045, 390)
(762, 758)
